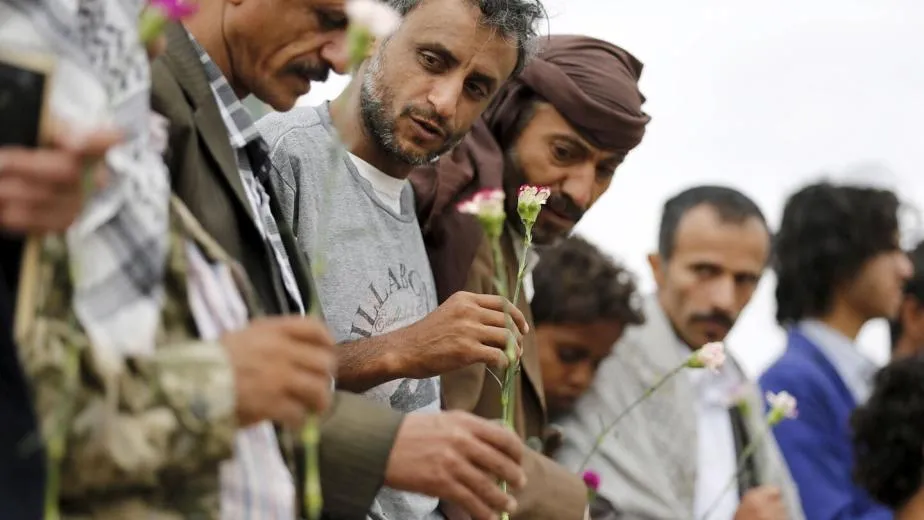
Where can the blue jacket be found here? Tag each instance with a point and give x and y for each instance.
(817, 445)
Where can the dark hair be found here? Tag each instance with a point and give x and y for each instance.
(574, 282)
(515, 19)
(914, 288)
(827, 233)
(888, 434)
(731, 205)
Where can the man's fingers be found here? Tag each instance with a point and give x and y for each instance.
(491, 356)
(497, 337)
(486, 489)
(518, 318)
(313, 392)
(306, 329)
(496, 464)
(501, 439)
(289, 412)
(496, 303)
(39, 166)
(38, 218)
(21, 191)
(311, 361)
(463, 497)
(87, 145)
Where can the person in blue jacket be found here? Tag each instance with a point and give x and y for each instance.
(838, 264)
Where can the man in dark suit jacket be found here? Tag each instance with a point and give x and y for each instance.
(363, 445)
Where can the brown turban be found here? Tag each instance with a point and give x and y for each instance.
(592, 83)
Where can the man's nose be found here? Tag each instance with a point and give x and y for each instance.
(444, 96)
(579, 184)
(722, 294)
(336, 54)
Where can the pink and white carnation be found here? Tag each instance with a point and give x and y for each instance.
(783, 405)
(488, 207)
(710, 355)
(530, 200)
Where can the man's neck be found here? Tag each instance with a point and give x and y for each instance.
(905, 347)
(845, 320)
(346, 115)
(914, 509)
(209, 35)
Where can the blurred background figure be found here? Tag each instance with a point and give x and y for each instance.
(888, 433)
(839, 264)
(907, 329)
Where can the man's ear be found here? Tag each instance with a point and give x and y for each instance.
(912, 318)
(658, 268)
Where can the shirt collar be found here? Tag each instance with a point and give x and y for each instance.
(855, 369)
(241, 128)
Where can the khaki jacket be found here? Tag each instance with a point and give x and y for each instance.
(552, 492)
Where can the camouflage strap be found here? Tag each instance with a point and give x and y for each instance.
(149, 433)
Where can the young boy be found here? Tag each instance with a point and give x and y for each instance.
(581, 304)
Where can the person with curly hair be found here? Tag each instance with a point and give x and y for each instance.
(888, 439)
(907, 329)
(838, 264)
(581, 304)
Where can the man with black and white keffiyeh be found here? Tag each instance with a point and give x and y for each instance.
(126, 281)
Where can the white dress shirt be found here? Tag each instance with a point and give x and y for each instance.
(855, 369)
(716, 457)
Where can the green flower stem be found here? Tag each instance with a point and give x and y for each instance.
(521, 271)
(507, 392)
(609, 428)
(742, 460)
(311, 437)
(151, 25)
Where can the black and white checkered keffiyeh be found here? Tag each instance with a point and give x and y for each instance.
(118, 246)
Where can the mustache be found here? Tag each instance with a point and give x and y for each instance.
(308, 70)
(563, 205)
(431, 116)
(715, 317)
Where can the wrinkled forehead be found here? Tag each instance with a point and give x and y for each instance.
(457, 27)
(741, 246)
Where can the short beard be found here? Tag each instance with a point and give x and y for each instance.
(376, 102)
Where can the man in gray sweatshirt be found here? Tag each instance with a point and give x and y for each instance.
(352, 210)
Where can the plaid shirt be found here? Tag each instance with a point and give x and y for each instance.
(250, 147)
(256, 484)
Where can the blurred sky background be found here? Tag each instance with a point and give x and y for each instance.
(760, 96)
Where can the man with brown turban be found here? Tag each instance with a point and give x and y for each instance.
(566, 122)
